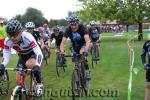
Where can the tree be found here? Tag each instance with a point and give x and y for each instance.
(34, 15)
(124, 11)
(54, 22)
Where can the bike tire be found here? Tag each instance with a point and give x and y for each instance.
(84, 82)
(75, 87)
(93, 57)
(45, 54)
(57, 65)
(18, 95)
(5, 83)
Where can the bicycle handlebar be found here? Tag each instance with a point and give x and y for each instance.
(18, 69)
(68, 56)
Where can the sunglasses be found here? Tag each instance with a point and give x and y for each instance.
(73, 24)
(14, 36)
(29, 28)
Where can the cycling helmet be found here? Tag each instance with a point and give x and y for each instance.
(55, 29)
(13, 27)
(73, 19)
(92, 23)
(30, 25)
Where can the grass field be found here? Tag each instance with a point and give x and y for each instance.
(109, 78)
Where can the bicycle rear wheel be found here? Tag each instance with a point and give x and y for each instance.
(4, 83)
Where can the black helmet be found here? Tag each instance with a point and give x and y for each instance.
(55, 29)
(13, 27)
(73, 19)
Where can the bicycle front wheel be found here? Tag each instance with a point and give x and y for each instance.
(93, 56)
(19, 93)
(76, 85)
(4, 83)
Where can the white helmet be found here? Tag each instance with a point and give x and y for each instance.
(30, 25)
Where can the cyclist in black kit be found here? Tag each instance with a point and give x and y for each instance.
(146, 51)
(79, 37)
(57, 35)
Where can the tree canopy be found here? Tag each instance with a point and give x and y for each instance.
(123, 11)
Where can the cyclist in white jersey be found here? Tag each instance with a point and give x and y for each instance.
(30, 54)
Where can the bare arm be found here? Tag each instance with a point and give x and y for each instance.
(62, 45)
(87, 40)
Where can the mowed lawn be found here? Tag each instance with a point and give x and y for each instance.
(109, 78)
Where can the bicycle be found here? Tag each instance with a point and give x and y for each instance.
(95, 54)
(4, 83)
(79, 83)
(59, 64)
(20, 92)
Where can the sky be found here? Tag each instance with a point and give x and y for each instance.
(52, 9)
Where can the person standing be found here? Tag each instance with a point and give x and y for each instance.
(2, 34)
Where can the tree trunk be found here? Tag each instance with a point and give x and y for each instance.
(127, 27)
(140, 32)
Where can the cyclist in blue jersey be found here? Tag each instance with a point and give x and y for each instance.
(79, 37)
(95, 34)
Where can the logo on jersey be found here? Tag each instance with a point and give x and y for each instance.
(76, 36)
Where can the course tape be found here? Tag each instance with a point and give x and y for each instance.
(131, 51)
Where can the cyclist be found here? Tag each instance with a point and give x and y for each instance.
(2, 34)
(46, 40)
(94, 33)
(46, 29)
(80, 39)
(30, 55)
(30, 26)
(146, 50)
(57, 35)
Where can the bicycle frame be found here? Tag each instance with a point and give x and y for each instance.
(21, 81)
(78, 75)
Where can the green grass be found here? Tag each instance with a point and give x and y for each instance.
(112, 73)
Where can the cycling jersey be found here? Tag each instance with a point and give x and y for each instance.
(46, 31)
(36, 35)
(94, 34)
(146, 49)
(45, 37)
(57, 38)
(24, 47)
(77, 38)
(40, 35)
